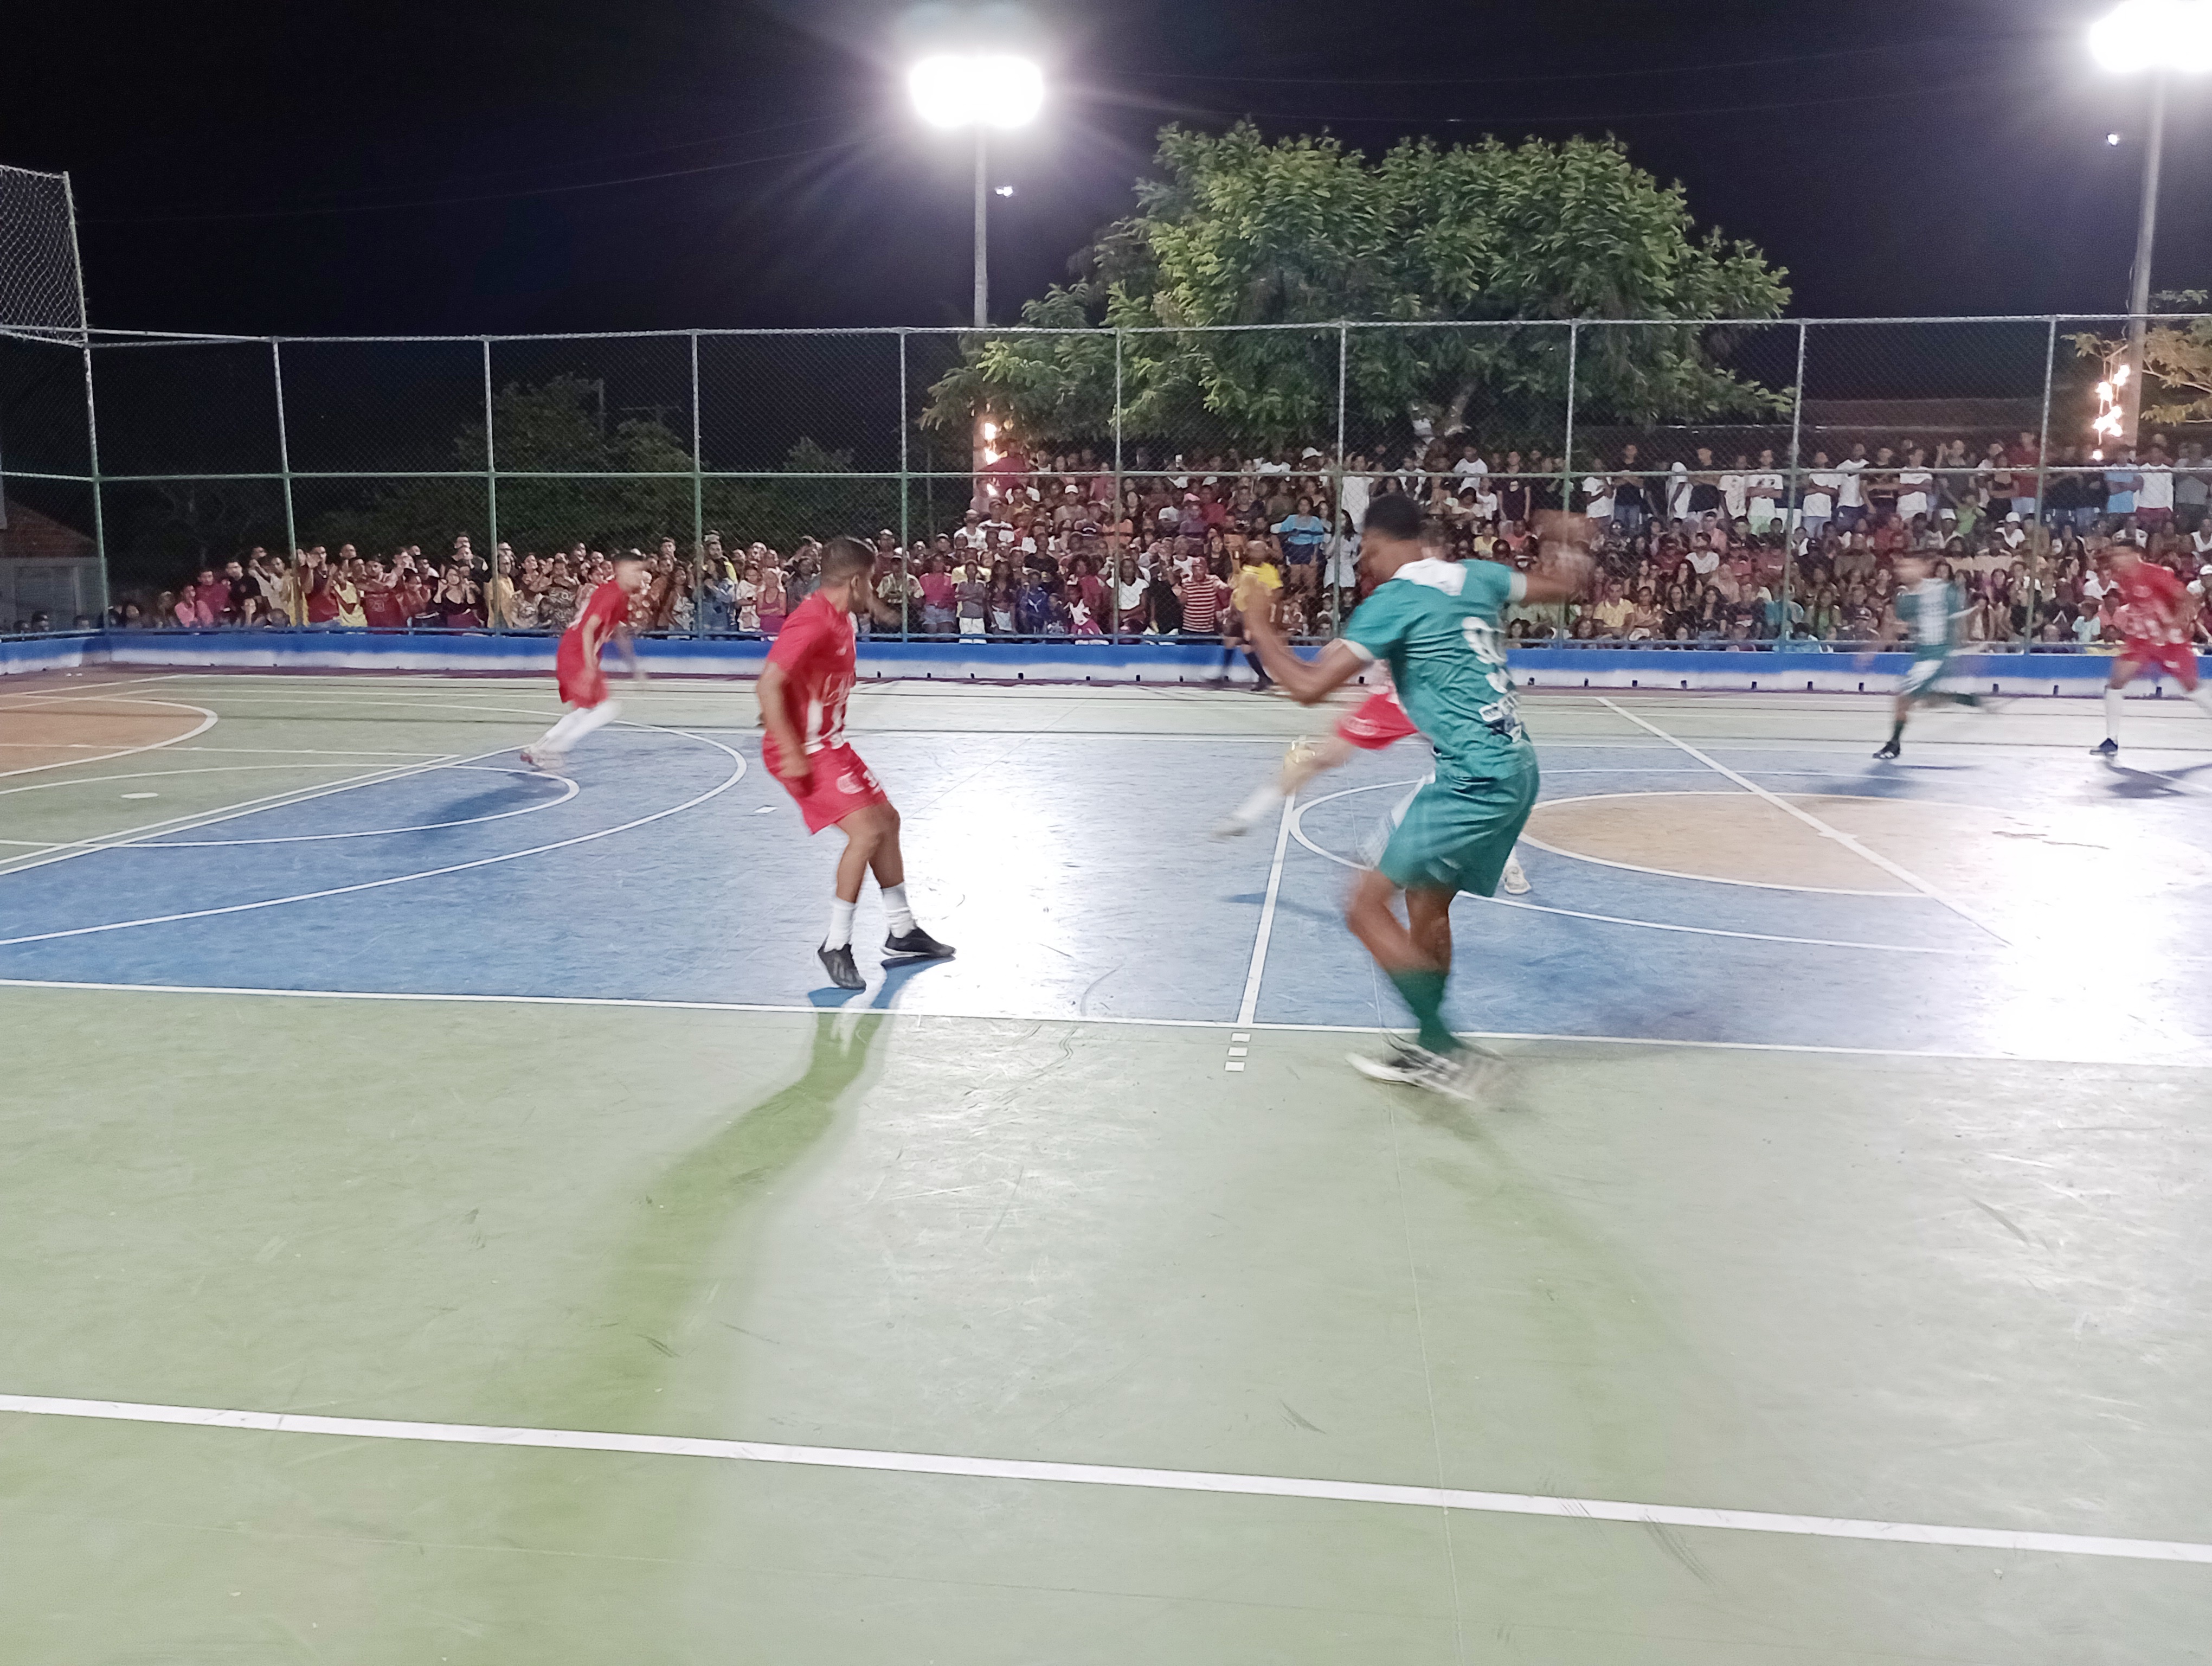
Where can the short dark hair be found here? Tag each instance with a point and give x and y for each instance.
(842, 557)
(1394, 515)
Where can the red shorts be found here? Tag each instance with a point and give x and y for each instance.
(581, 684)
(2178, 658)
(1380, 721)
(840, 785)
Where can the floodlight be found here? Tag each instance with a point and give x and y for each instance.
(994, 89)
(2153, 34)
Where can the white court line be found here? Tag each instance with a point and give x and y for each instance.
(194, 820)
(734, 776)
(1822, 828)
(1107, 1475)
(1298, 832)
(796, 1010)
(207, 722)
(1251, 1003)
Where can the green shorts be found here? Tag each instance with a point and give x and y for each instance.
(1458, 830)
(1926, 670)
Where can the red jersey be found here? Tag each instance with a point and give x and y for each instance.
(382, 606)
(578, 675)
(2154, 605)
(815, 652)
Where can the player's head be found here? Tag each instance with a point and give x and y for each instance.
(2123, 557)
(629, 573)
(1391, 535)
(1912, 566)
(845, 564)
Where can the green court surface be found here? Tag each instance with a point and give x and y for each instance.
(1953, 1294)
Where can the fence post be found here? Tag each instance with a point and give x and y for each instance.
(906, 530)
(698, 507)
(1333, 549)
(1567, 460)
(91, 412)
(285, 456)
(2038, 536)
(1792, 519)
(1114, 509)
(491, 462)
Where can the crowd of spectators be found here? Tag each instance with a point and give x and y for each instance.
(1691, 550)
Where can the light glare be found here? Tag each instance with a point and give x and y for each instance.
(2148, 34)
(991, 89)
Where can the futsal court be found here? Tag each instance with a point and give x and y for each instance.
(447, 1219)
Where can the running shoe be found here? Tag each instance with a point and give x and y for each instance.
(1516, 878)
(917, 944)
(1890, 750)
(838, 963)
(543, 758)
(2107, 747)
(1462, 1075)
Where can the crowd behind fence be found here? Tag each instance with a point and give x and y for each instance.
(1746, 485)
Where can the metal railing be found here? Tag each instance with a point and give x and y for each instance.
(160, 453)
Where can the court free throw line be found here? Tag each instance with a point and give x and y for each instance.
(1105, 1475)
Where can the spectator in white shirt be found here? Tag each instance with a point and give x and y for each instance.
(1851, 496)
(1764, 489)
(1820, 488)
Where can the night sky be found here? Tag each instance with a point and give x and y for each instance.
(406, 166)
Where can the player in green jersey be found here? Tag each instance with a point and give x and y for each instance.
(1929, 609)
(1437, 625)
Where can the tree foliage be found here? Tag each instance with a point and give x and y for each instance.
(1237, 231)
(2177, 359)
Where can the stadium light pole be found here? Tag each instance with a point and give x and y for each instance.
(981, 90)
(2162, 37)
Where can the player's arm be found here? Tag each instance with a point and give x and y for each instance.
(791, 761)
(626, 646)
(1564, 563)
(1306, 681)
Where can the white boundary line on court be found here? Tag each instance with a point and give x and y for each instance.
(795, 1009)
(1822, 828)
(192, 821)
(1107, 1475)
(1252, 978)
(731, 780)
(207, 722)
(1298, 832)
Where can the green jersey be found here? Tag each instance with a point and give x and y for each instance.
(1437, 625)
(1931, 616)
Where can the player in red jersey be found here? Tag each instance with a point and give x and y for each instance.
(2155, 615)
(1378, 723)
(603, 616)
(803, 690)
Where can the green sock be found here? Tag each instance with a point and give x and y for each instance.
(1897, 734)
(1423, 991)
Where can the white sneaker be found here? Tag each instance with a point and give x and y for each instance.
(542, 758)
(1517, 881)
(1462, 1075)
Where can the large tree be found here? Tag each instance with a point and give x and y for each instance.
(1237, 231)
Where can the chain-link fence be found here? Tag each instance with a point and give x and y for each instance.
(1746, 484)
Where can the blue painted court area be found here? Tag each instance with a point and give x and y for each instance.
(1712, 869)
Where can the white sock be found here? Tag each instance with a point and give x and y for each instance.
(2113, 699)
(576, 725)
(2202, 694)
(840, 924)
(1254, 809)
(896, 914)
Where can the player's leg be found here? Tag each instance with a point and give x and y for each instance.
(2124, 673)
(863, 830)
(545, 752)
(1309, 755)
(887, 859)
(1409, 951)
(2183, 664)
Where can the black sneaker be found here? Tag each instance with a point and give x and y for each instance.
(2107, 747)
(917, 944)
(1890, 749)
(838, 963)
